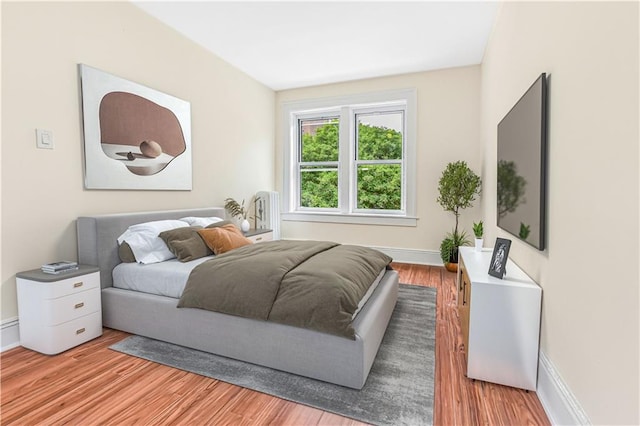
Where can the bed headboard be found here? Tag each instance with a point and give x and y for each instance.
(97, 235)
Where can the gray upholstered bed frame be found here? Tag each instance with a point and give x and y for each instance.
(296, 350)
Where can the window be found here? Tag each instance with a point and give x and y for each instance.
(378, 161)
(351, 159)
(318, 163)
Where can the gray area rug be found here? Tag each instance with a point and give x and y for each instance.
(398, 391)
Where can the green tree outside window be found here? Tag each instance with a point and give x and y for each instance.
(379, 185)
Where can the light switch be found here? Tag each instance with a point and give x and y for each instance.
(44, 139)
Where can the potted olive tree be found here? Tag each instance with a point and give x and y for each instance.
(458, 188)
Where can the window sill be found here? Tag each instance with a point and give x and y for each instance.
(361, 219)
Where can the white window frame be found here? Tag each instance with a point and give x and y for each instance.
(346, 107)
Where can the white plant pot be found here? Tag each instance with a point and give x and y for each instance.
(479, 242)
(244, 225)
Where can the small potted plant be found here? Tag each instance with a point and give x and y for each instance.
(237, 210)
(478, 231)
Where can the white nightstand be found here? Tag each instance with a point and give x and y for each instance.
(259, 235)
(58, 311)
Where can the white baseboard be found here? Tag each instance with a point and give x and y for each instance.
(9, 334)
(558, 402)
(421, 257)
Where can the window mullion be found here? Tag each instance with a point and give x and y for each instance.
(295, 155)
(320, 163)
(345, 167)
(357, 162)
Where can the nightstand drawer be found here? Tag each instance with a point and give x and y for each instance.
(55, 339)
(63, 287)
(70, 307)
(261, 238)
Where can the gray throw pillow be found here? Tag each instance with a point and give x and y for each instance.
(125, 253)
(186, 243)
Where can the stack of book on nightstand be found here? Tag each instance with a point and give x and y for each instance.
(59, 267)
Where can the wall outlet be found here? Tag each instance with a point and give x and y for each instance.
(44, 139)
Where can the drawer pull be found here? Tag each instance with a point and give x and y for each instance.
(76, 285)
(79, 305)
(80, 330)
(259, 238)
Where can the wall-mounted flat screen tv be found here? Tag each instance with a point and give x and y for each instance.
(522, 152)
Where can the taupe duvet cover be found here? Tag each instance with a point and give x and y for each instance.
(310, 284)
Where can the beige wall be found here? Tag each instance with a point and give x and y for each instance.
(42, 190)
(447, 130)
(589, 272)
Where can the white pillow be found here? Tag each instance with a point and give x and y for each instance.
(201, 221)
(145, 244)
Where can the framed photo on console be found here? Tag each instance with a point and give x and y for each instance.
(497, 267)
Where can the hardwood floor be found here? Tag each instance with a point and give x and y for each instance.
(460, 401)
(91, 384)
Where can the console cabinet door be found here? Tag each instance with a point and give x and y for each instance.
(464, 301)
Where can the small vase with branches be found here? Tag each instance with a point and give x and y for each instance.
(238, 210)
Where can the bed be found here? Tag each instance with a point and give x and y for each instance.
(296, 350)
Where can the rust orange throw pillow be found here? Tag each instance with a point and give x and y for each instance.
(223, 238)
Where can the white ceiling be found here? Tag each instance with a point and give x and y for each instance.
(291, 44)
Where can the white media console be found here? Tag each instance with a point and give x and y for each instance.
(500, 321)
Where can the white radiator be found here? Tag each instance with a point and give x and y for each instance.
(268, 212)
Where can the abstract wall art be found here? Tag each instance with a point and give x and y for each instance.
(134, 137)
